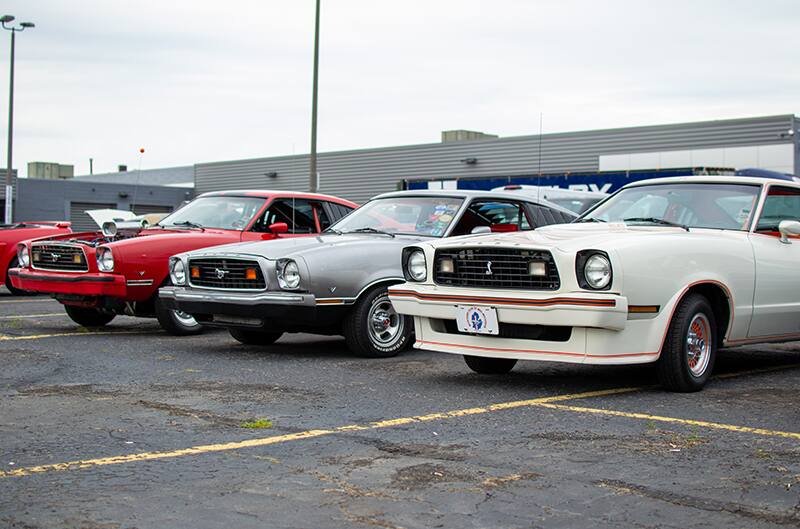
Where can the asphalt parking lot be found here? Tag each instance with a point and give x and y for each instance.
(131, 428)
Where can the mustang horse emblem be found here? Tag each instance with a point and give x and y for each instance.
(55, 257)
(221, 273)
(488, 268)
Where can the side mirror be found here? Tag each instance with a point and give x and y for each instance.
(481, 229)
(278, 228)
(787, 228)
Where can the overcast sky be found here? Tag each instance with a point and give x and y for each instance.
(196, 81)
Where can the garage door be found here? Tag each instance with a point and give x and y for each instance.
(144, 209)
(80, 220)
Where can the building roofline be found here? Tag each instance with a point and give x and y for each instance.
(511, 139)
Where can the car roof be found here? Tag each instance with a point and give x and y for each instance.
(722, 179)
(266, 193)
(471, 193)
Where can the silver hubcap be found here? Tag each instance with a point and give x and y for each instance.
(385, 325)
(184, 319)
(698, 344)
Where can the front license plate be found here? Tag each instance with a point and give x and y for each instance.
(477, 320)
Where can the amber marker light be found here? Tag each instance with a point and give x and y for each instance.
(250, 274)
(77, 258)
(195, 271)
(643, 309)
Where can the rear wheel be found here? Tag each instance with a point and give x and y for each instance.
(373, 329)
(175, 322)
(88, 317)
(690, 348)
(11, 288)
(490, 366)
(251, 337)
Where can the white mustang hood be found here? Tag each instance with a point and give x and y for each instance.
(573, 236)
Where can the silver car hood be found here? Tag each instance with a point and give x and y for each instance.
(309, 246)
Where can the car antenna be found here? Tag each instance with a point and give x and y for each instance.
(539, 160)
(138, 176)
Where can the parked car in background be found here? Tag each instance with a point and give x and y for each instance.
(575, 201)
(666, 271)
(98, 275)
(12, 234)
(337, 283)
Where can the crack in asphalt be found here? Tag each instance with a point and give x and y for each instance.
(705, 504)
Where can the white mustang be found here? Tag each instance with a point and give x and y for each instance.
(663, 271)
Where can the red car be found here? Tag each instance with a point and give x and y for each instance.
(97, 276)
(12, 234)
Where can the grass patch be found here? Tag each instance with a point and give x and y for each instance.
(257, 424)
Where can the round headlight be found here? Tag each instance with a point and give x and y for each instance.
(417, 267)
(23, 256)
(105, 260)
(109, 228)
(597, 271)
(177, 272)
(289, 275)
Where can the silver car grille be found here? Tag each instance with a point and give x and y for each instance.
(507, 268)
(225, 273)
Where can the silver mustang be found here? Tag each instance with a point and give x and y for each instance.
(336, 283)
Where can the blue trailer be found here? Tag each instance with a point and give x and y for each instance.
(603, 181)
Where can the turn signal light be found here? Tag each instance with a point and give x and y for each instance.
(250, 274)
(537, 268)
(195, 271)
(77, 258)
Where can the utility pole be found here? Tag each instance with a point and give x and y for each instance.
(9, 213)
(312, 177)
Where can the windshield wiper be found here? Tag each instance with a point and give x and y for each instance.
(372, 230)
(332, 230)
(590, 219)
(188, 224)
(655, 220)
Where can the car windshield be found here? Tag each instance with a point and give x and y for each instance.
(228, 213)
(691, 205)
(429, 216)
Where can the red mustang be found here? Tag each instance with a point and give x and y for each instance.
(119, 270)
(11, 234)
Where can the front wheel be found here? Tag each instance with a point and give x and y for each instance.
(175, 322)
(374, 329)
(490, 366)
(88, 317)
(690, 348)
(11, 288)
(250, 337)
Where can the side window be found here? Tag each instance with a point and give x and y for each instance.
(334, 213)
(488, 213)
(782, 203)
(297, 214)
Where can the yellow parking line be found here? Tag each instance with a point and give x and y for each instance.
(660, 418)
(264, 441)
(48, 315)
(6, 338)
(542, 402)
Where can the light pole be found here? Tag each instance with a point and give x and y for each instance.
(312, 177)
(8, 19)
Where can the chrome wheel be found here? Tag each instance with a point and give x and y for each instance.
(184, 318)
(385, 325)
(698, 344)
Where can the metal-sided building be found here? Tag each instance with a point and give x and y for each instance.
(769, 142)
